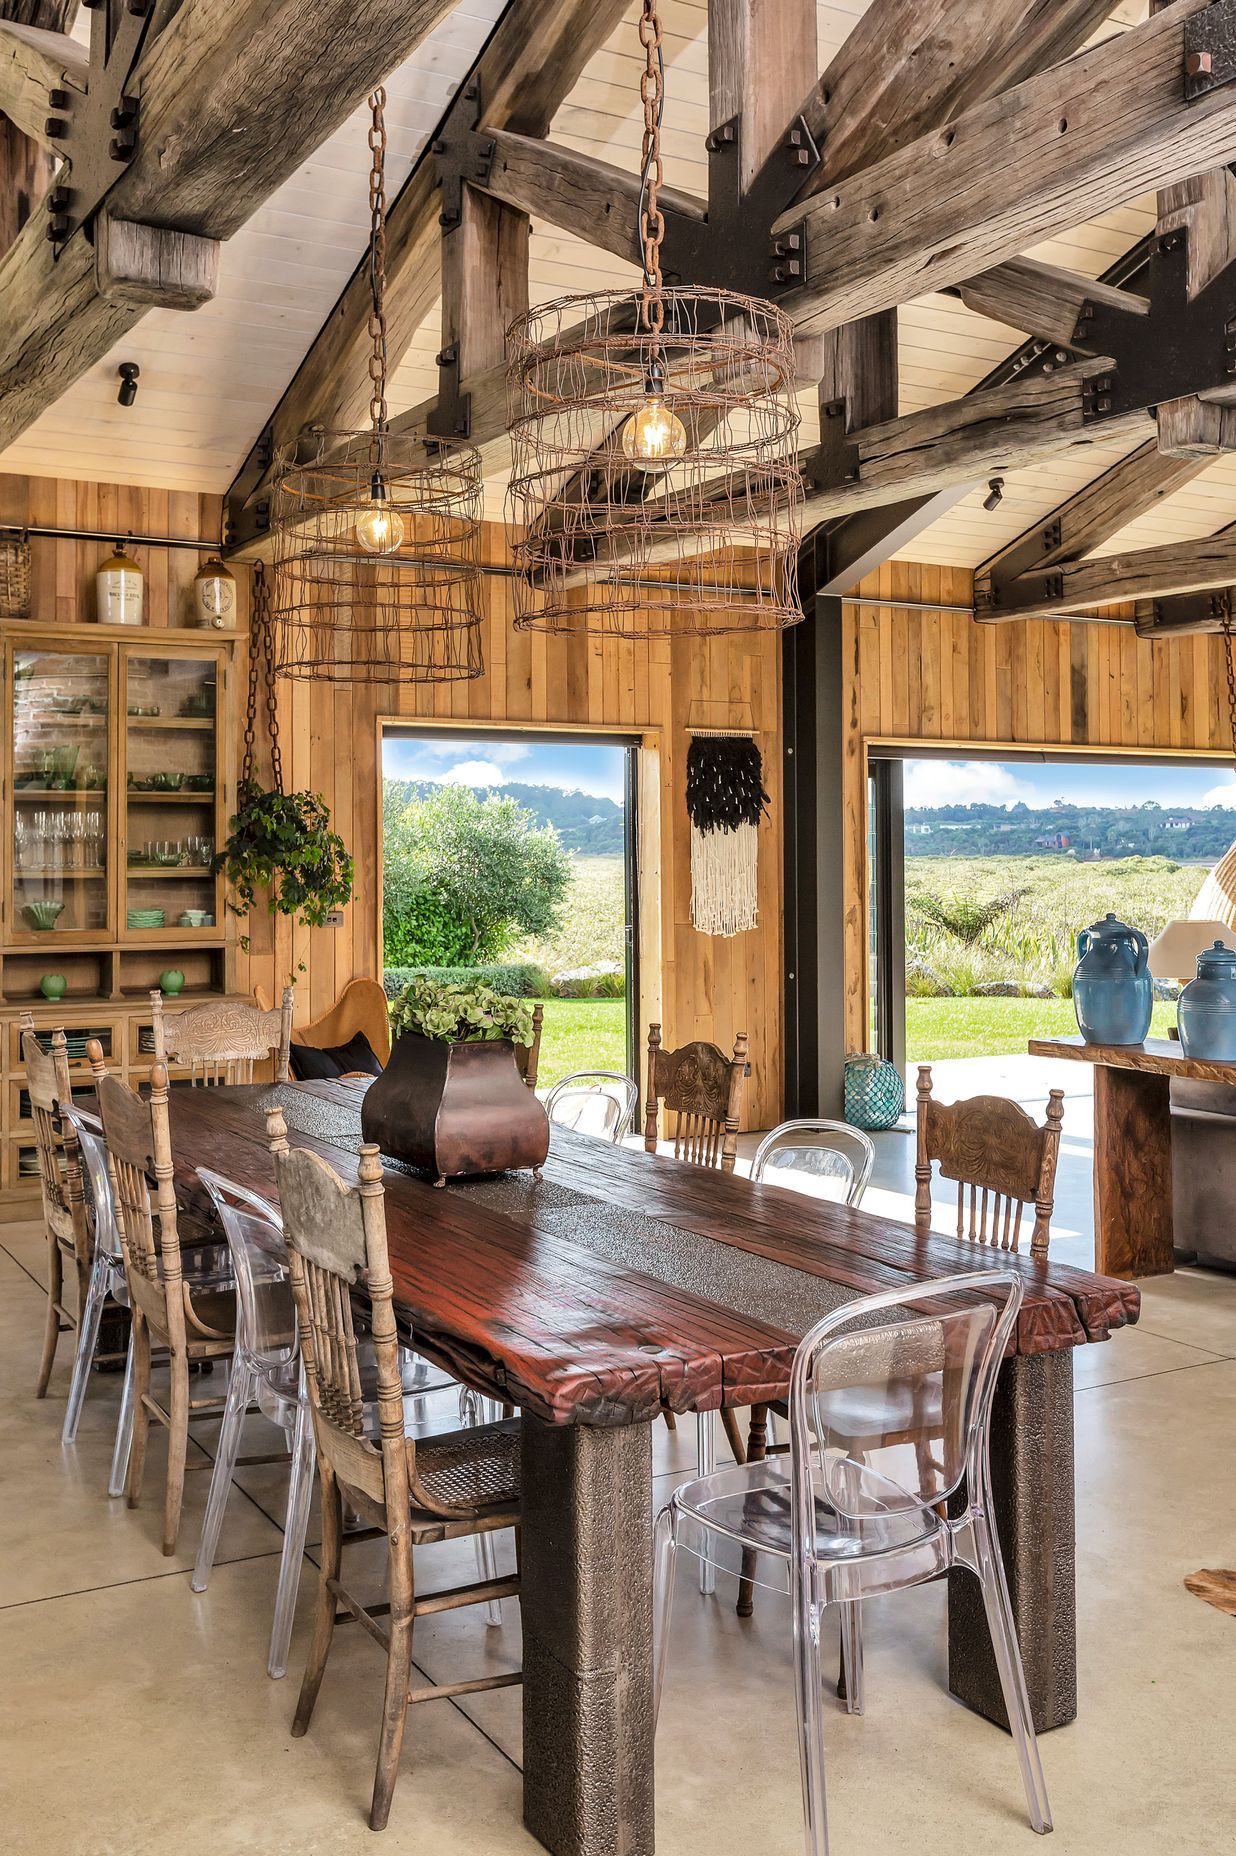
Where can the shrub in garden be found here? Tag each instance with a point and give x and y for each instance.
(607, 980)
(522, 980)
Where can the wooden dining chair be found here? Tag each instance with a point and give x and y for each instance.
(1002, 1162)
(441, 1487)
(703, 1089)
(222, 1040)
(193, 1322)
(528, 1056)
(62, 1188)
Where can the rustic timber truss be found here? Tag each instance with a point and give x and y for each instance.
(888, 178)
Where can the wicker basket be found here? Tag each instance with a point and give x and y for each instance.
(14, 575)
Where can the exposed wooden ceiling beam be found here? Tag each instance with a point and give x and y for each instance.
(909, 66)
(234, 97)
(577, 193)
(1151, 573)
(1041, 299)
(989, 432)
(1127, 490)
(33, 64)
(529, 64)
(47, 15)
(1088, 135)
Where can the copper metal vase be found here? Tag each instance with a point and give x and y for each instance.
(455, 1109)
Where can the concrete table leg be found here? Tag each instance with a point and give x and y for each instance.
(587, 1630)
(1032, 1478)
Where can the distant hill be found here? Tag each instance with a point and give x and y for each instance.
(588, 826)
(1189, 834)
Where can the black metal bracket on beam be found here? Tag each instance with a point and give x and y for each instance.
(451, 417)
(1181, 613)
(1209, 49)
(732, 249)
(96, 132)
(462, 154)
(1180, 348)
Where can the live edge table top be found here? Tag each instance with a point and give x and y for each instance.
(621, 1283)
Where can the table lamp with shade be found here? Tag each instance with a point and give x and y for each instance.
(1174, 952)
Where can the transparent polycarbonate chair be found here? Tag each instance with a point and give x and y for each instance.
(266, 1372)
(600, 1102)
(106, 1278)
(834, 1159)
(890, 1410)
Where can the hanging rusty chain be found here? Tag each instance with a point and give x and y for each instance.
(261, 659)
(651, 218)
(377, 275)
(1225, 625)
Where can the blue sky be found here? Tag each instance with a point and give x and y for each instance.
(573, 766)
(1039, 784)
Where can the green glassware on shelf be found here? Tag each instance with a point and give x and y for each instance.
(172, 981)
(53, 986)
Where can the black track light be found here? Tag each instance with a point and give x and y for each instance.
(995, 493)
(128, 371)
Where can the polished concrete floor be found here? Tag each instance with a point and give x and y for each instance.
(136, 1717)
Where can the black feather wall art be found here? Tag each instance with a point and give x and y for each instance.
(725, 802)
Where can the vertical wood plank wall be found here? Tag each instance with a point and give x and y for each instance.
(700, 987)
(939, 677)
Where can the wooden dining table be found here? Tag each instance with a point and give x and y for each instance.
(622, 1285)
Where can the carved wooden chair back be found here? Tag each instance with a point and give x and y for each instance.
(222, 1040)
(528, 1056)
(139, 1151)
(703, 1089)
(48, 1083)
(1001, 1159)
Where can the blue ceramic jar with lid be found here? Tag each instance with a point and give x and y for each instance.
(1113, 993)
(1206, 1013)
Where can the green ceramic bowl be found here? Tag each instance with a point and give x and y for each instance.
(53, 986)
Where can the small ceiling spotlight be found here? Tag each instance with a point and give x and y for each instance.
(995, 493)
(128, 371)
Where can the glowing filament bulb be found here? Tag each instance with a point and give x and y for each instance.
(379, 527)
(654, 434)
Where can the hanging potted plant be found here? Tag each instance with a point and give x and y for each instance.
(451, 1099)
(279, 842)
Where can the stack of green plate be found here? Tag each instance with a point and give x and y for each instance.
(145, 918)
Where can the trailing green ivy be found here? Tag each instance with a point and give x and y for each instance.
(283, 843)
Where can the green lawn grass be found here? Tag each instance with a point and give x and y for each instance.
(581, 1034)
(940, 1028)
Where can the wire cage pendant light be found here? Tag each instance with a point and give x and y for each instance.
(377, 535)
(655, 489)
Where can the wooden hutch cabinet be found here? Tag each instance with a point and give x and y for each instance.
(116, 775)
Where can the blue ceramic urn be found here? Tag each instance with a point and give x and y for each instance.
(1113, 994)
(1206, 1013)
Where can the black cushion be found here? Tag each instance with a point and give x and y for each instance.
(309, 1064)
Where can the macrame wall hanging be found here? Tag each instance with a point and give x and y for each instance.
(725, 802)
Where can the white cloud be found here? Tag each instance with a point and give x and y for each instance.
(469, 773)
(496, 753)
(963, 783)
(1222, 795)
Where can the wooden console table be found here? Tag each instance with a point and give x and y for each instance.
(1133, 1145)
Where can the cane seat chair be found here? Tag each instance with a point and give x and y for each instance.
(49, 1085)
(192, 1317)
(442, 1487)
(600, 1102)
(850, 1516)
(223, 1040)
(1001, 1160)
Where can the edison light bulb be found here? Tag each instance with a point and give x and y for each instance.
(654, 434)
(379, 527)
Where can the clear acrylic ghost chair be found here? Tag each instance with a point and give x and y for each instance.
(266, 1371)
(106, 1278)
(834, 1157)
(600, 1102)
(886, 1422)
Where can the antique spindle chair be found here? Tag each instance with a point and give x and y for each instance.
(528, 1056)
(194, 1319)
(223, 1040)
(703, 1089)
(61, 1185)
(1001, 1160)
(446, 1486)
